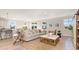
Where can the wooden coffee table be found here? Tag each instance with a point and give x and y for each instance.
(50, 39)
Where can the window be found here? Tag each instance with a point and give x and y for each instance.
(68, 23)
(12, 24)
(44, 25)
(34, 25)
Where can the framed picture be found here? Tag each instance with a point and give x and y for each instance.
(50, 25)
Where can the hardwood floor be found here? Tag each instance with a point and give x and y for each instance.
(65, 43)
(68, 43)
(8, 45)
(37, 45)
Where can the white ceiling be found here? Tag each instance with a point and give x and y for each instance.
(35, 14)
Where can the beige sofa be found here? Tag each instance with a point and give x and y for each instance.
(32, 34)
